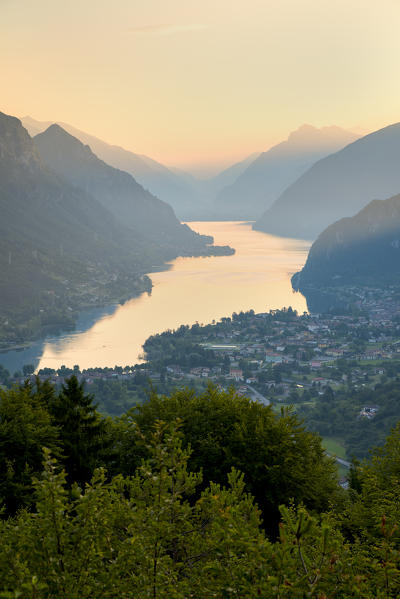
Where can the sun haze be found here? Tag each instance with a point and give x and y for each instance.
(198, 84)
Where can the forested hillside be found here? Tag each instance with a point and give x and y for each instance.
(119, 193)
(56, 242)
(358, 250)
(66, 245)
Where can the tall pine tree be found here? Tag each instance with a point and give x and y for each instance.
(81, 429)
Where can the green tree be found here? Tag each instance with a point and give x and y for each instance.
(147, 536)
(376, 491)
(28, 369)
(25, 427)
(136, 537)
(82, 430)
(279, 458)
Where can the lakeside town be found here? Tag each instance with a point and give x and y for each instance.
(277, 357)
(275, 351)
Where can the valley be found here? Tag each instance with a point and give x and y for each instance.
(199, 289)
(199, 300)
(313, 363)
(75, 233)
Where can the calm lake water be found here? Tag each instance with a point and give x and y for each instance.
(193, 290)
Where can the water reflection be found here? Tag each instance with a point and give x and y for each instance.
(193, 290)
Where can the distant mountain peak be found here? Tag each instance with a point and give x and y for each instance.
(308, 134)
(304, 128)
(56, 132)
(302, 133)
(336, 186)
(56, 128)
(262, 182)
(66, 146)
(16, 144)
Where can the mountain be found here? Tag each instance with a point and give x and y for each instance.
(266, 177)
(166, 184)
(56, 242)
(361, 249)
(39, 208)
(190, 197)
(61, 248)
(117, 191)
(337, 186)
(229, 175)
(207, 189)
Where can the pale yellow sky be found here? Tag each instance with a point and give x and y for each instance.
(192, 83)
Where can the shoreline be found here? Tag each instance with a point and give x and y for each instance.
(56, 331)
(62, 329)
(185, 290)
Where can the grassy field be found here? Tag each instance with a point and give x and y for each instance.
(334, 446)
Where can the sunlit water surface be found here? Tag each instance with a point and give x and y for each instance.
(193, 290)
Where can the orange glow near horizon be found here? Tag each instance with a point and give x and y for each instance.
(195, 85)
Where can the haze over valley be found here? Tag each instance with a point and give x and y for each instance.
(66, 245)
(338, 185)
(85, 262)
(199, 299)
(243, 190)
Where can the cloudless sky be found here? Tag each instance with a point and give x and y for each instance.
(193, 83)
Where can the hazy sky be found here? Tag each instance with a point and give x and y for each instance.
(192, 82)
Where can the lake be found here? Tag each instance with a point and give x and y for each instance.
(192, 290)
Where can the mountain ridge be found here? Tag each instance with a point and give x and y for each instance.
(152, 175)
(336, 186)
(190, 197)
(275, 169)
(118, 191)
(52, 238)
(61, 249)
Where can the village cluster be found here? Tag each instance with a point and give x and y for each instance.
(278, 354)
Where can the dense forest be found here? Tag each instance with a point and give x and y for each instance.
(190, 495)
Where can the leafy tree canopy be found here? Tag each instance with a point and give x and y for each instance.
(280, 459)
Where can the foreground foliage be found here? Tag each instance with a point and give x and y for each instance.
(280, 459)
(172, 517)
(142, 536)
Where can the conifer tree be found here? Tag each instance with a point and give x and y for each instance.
(25, 427)
(81, 430)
